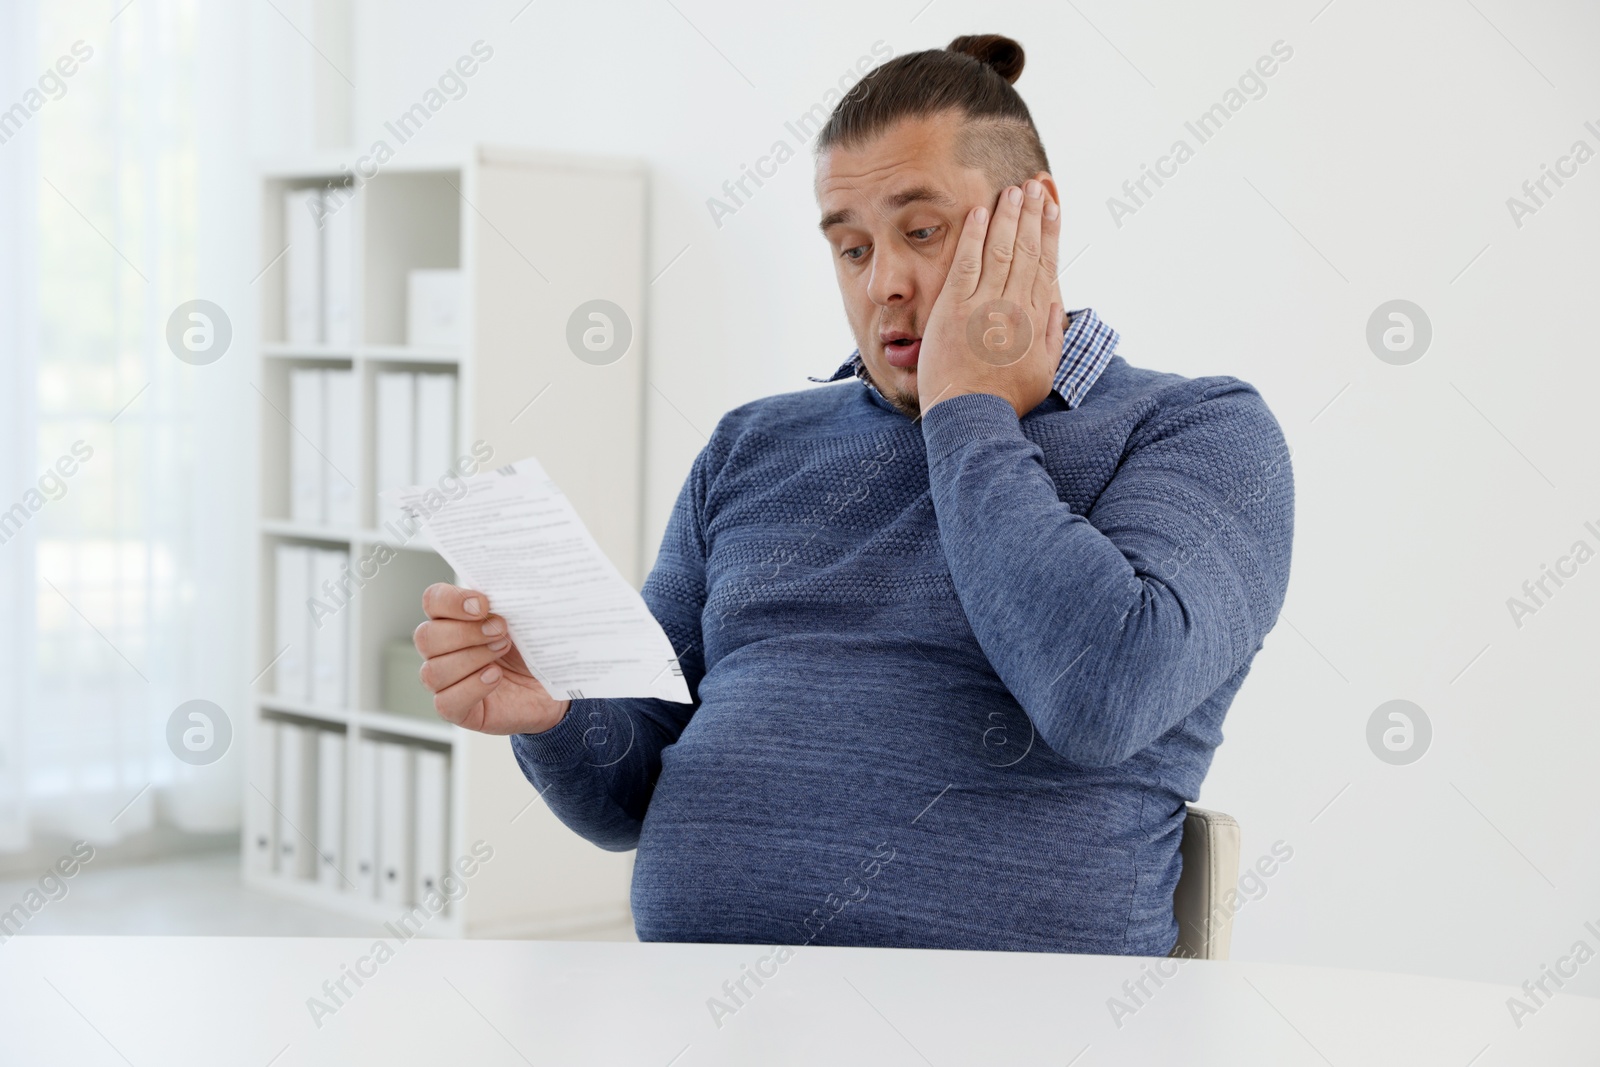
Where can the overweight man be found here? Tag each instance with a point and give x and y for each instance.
(961, 628)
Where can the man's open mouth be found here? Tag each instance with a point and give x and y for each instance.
(900, 348)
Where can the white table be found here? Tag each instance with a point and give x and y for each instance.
(170, 1001)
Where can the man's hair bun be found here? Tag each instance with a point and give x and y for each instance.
(993, 50)
(972, 77)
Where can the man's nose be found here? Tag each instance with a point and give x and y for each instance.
(892, 280)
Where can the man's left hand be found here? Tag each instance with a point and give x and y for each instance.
(997, 324)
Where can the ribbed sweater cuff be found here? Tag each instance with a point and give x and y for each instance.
(560, 745)
(952, 423)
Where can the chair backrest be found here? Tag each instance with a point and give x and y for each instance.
(1210, 851)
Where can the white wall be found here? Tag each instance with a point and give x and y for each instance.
(1427, 493)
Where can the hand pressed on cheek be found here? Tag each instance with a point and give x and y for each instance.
(996, 326)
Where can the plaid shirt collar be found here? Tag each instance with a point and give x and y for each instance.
(1087, 347)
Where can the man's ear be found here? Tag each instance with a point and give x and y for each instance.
(1049, 183)
(1050, 190)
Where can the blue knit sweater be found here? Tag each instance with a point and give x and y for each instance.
(954, 680)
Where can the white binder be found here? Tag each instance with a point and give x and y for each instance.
(342, 448)
(364, 797)
(290, 801)
(394, 417)
(432, 814)
(338, 270)
(328, 640)
(434, 301)
(262, 825)
(307, 445)
(394, 824)
(436, 428)
(302, 290)
(331, 860)
(292, 673)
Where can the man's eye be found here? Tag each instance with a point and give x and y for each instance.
(855, 253)
(924, 233)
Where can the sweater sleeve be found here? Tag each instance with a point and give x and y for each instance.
(1109, 628)
(598, 766)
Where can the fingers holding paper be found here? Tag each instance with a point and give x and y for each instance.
(581, 628)
(441, 600)
(477, 676)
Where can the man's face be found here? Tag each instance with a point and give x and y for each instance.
(892, 211)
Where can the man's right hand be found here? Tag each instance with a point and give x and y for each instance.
(477, 676)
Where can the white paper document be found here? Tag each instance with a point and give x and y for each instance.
(581, 628)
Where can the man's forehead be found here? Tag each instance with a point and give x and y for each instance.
(849, 203)
(853, 170)
(914, 161)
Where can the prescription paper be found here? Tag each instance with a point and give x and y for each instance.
(581, 628)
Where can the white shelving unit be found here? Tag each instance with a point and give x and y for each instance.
(535, 236)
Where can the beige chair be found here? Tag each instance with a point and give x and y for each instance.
(1210, 850)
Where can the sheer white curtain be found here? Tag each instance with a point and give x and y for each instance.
(18, 333)
(126, 472)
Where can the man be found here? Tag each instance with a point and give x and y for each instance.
(961, 631)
